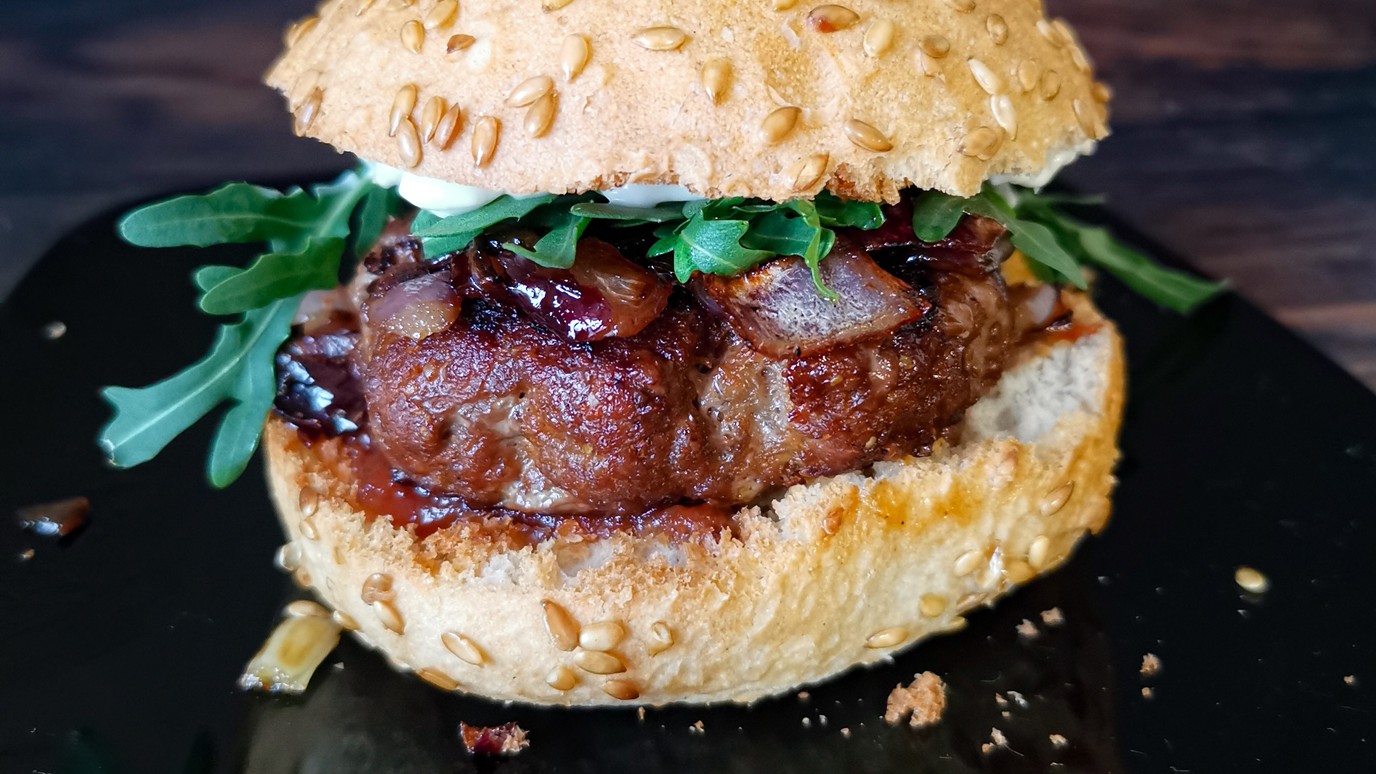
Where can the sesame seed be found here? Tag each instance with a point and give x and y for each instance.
(1078, 58)
(442, 15)
(307, 111)
(561, 679)
(430, 117)
(540, 116)
(1050, 85)
(413, 35)
(1063, 30)
(308, 530)
(967, 562)
(964, 6)
(448, 127)
(784, 5)
(1057, 498)
(484, 143)
(625, 690)
(408, 143)
(879, 38)
(662, 637)
(1101, 92)
(529, 90)
(302, 608)
(288, 557)
(390, 617)
(970, 600)
(927, 64)
(865, 136)
(1037, 553)
(1050, 33)
(1004, 114)
(437, 678)
(308, 501)
(562, 627)
(932, 605)
(553, 5)
(808, 172)
(463, 647)
(832, 18)
(573, 56)
(1019, 572)
(958, 623)
(1251, 580)
(779, 123)
(601, 636)
(716, 79)
(302, 577)
(376, 588)
(1086, 118)
(364, 6)
(304, 85)
(985, 77)
(459, 43)
(402, 105)
(299, 28)
(598, 663)
(998, 29)
(887, 638)
(660, 38)
(935, 46)
(1028, 72)
(345, 620)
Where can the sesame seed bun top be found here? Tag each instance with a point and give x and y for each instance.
(774, 99)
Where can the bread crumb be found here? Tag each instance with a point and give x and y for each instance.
(845, 733)
(697, 728)
(1053, 617)
(1350, 679)
(986, 748)
(1151, 665)
(506, 739)
(26, 555)
(999, 700)
(922, 702)
(1028, 630)
(996, 739)
(822, 720)
(1058, 741)
(1147, 693)
(640, 714)
(804, 696)
(807, 722)
(1018, 699)
(1251, 580)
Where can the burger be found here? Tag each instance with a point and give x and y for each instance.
(664, 352)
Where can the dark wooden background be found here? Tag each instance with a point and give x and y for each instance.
(1244, 131)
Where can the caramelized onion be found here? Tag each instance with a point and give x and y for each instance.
(602, 295)
(974, 247)
(777, 308)
(416, 308)
(1035, 307)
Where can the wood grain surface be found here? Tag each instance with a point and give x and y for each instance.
(1243, 132)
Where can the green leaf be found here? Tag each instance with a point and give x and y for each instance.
(1035, 240)
(437, 247)
(661, 213)
(377, 206)
(780, 233)
(713, 247)
(936, 214)
(1172, 289)
(207, 277)
(239, 368)
(276, 275)
(476, 221)
(558, 247)
(835, 212)
(237, 212)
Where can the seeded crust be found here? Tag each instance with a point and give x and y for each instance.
(844, 571)
(964, 90)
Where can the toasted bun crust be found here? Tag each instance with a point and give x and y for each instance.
(963, 90)
(843, 571)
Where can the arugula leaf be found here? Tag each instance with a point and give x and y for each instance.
(1034, 240)
(378, 204)
(558, 247)
(936, 214)
(207, 277)
(780, 233)
(713, 247)
(147, 419)
(839, 213)
(660, 213)
(237, 212)
(276, 275)
(476, 221)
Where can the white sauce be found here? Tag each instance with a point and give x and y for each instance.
(445, 199)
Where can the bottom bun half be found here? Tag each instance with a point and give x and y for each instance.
(843, 571)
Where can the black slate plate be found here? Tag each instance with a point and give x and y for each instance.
(120, 646)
